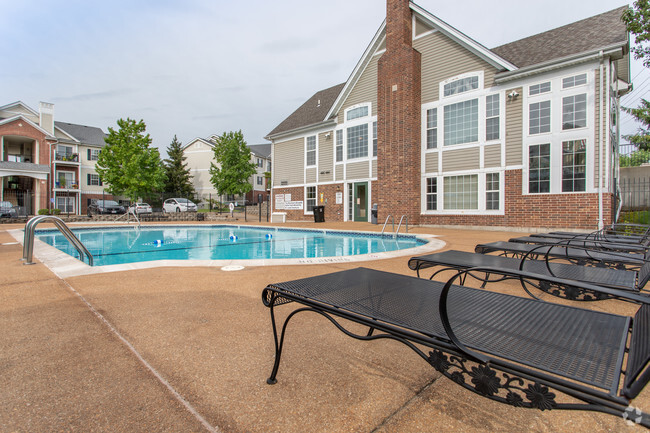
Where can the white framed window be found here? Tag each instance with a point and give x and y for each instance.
(93, 154)
(461, 122)
(432, 193)
(432, 128)
(539, 117)
(268, 166)
(310, 199)
(310, 151)
(357, 112)
(537, 89)
(260, 162)
(66, 204)
(357, 142)
(574, 111)
(574, 166)
(461, 85)
(576, 80)
(64, 150)
(260, 180)
(339, 145)
(492, 188)
(93, 180)
(492, 117)
(374, 138)
(65, 179)
(460, 192)
(539, 168)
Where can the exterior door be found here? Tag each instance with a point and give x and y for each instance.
(360, 201)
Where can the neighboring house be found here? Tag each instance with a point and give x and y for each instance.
(45, 163)
(434, 126)
(200, 155)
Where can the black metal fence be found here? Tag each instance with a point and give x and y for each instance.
(632, 156)
(635, 200)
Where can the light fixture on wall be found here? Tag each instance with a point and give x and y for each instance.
(513, 95)
(328, 135)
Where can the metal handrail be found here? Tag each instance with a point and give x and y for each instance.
(386, 222)
(28, 241)
(400, 224)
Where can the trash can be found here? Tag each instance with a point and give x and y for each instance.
(373, 213)
(319, 214)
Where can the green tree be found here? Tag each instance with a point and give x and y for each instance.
(127, 163)
(234, 167)
(642, 115)
(177, 176)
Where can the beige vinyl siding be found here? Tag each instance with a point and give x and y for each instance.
(431, 162)
(462, 159)
(514, 128)
(421, 27)
(442, 59)
(339, 171)
(623, 68)
(492, 156)
(310, 175)
(365, 90)
(374, 169)
(357, 170)
(201, 180)
(289, 162)
(326, 157)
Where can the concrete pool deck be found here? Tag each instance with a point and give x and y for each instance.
(189, 349)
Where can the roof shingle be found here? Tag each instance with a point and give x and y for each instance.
(85, 134)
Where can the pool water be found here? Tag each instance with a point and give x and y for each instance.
(110, 246)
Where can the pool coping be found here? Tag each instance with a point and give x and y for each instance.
(64, 265)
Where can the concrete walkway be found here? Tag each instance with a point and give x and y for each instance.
(189, 349)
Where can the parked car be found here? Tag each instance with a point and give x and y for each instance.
(105, 207)
(140, 208)
(7, 210)
(179, 205)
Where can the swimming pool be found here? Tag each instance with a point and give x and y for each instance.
(124, 245)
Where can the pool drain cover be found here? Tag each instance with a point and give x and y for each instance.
(232, 268)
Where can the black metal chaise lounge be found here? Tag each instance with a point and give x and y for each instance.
(519, 351)
(584, 243)
(622, 280)
(599, 236)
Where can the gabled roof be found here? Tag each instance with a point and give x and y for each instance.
(597, 32)
(84, 134)
(263, 150)
(29, 122)
(16, 104)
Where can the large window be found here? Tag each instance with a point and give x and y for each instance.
(311, 150)
(93, 154)
(461, 192)
(355, 113)
(573, 165)
(539, 119)
(492, 117)
(65, 179)
(432, 128)
(310, 196)
(358, 141)
(339, 145)
(574, 111)
(432, 193)
(66, 204)
(492, 191)
(461, 122)
(93, 180)
(539, 168)
(461, 85)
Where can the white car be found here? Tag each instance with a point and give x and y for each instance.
(140, 208)
(179, 205)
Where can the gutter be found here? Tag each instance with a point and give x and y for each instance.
(325, 123)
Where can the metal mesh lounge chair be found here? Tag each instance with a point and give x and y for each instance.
(622, 280)
(583, 242)
(599, 236)
(519, 351)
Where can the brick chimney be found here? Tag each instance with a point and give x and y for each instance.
(398, 118)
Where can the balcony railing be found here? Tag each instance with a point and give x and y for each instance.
(65, 185)
(67, 157)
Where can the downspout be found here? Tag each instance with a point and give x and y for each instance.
(600, 143)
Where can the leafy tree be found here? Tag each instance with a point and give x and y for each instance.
(127, 163)
(637, 21)
(234, 167)
(635, 159)
(177, 176)
(642, 115)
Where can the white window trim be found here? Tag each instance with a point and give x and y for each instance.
(441, 86)
(553, 109)
(315, 150)
(481, 193)
(541, 94)
(583, 85)
(354, 107)
(304, 206)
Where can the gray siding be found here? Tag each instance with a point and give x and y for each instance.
(357, 170)
(462, 159)
(431, 162)
(326, 157)
(492, 156)
(289, 162)
(514, 129)
(365, 90)
(339, 171)
(443, 58)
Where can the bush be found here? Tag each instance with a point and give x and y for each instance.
(56, 211)
(43, 211)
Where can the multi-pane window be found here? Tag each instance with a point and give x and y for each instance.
(310, 195)
(492, 117)
(492, 191)
(93, 154)
(576, 80)
(573, 165)
(374, 138)
(356, 113)
(66, 204)
(432, 193)
(268, 166)
(358, 141)
(574, 111)
(539, 119)
(339, 145)
(260, 180)
(536, 89)
(94, 180)
(432, 128)
(311, 150)
(461, 122)
(461, 192)
(260, 162)
(539, 168)
(63, 150)
(65, 179)
(460, 86)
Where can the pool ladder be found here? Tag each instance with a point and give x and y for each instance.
(28, 241)
(404, 217)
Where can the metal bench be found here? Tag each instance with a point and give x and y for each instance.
(519, 351)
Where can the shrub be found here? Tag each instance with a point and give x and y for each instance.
(56, 211)
(43, 211)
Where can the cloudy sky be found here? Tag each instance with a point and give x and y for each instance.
(199, 67)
